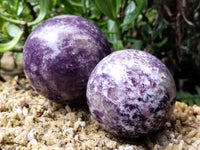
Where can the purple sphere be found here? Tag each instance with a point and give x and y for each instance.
(131, 93)
(60, 54)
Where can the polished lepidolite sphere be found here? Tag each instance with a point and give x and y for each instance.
(131, 93)
(60, 54)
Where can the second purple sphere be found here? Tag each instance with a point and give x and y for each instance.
(131, 93)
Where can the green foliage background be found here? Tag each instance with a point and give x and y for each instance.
(167, 29)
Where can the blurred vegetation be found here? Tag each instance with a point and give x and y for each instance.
(165, 28)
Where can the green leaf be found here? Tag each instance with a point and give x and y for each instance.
(4, 47)
(132, 14)
(20, 8)
(117, 5)
(146, 34)
(95, 13)
(184, 97)
(161, 43)
(86, 3)
(129, 11)
(159, 29)
(72, 7)
(4, 30)
(112, 37)
(197, 101)
(11, 2)
(137, 44)
(78, 4)
(43, 11)
(119, 45)
(7, 6)
(197, 89)
(68, 7)
(189, 98)
(10, 19)
(19, 56)
(12, 29)
(109, 8)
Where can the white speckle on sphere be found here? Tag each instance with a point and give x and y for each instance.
(33, 67)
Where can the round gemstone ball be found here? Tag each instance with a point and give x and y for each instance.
(131, 93)
(60, 54)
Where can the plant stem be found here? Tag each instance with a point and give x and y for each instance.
(120, 44)
(32, 12)
(118, 32)
(12, 20)
(43, 11)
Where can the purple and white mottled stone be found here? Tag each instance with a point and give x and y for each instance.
(131, 93)
(60, 54)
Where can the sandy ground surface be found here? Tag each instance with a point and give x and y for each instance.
(30, 121)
